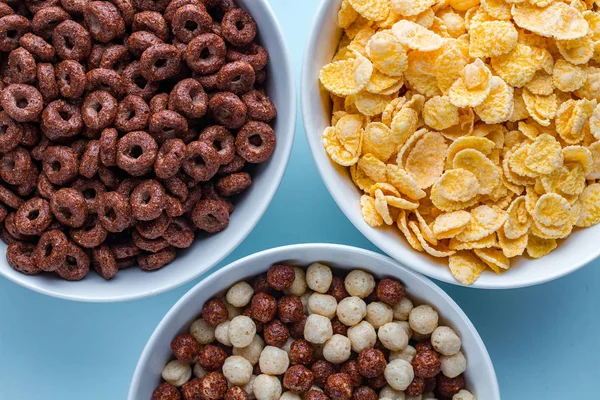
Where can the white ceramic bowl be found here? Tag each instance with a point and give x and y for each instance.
(575, 252)
(209, 250)
(480, 373)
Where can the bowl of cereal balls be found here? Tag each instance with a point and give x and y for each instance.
(140, 140)
(461, 138)
(315, 322)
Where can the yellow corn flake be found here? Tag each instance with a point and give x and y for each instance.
(458, 185)
(485, 221)
(538, 247)
(411, 238)
(541, 108)
(492, 38)
(552, 209)
(578, 155)
(481, 144)
(449, 225)
(378, 140)
(391, 109)
(477, 163)
(557, 20)
(349, 132)
(399, 202)
(568, 77)
(346, 15)
(416, 37)
(373, 167)
(529, 130)
(425, 229)
(494, 258)
(476, 15)
(405, 124)
(380, 83)
(544, 155)
(516, 161)
(439, 113)
(361, 179)
(540, 84)
(386, 189)
(498, 106)
(448, 205)
(473, 87)
(453, 21)
(440, 252)
(346, 77)
(516, 67)
(518, 220)
(498, 9)
(425, 18)
(483, 243)
(591, 88)
(387, 53)
(373, 10)
(595, 122)
(381, 207)
(594, 149)
(519, 108)
(420, 74)
(426, 160)
(336, 150)
(590, 206)
(404, 182)
(463, 5)
(370, 104)
(572, 118)
(576, 51)
(551, 232)
(408, 146)
(448, 67)
(512, 247)
(369, 212)
(466, 267)
(411, 7)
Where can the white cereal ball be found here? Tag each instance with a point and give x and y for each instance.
(273, 361)
(290, 396)
(199, 372)
(337, 349)
(351, 310)
(319, 277)
(453, 366)
(237, 370)
(177, 373)
(252, 351)
(317, 329)
(445, 341)
(399, 374)
(304, 299)
(390, 393)
(249, 387)
(463, 395)
(242, 331)
(405, 325)
(393, 336)
(406, 354)
(232, 311)
(362, 336)
(423, 319)
(240, 294)
(267, 387)
(202, 331)
(322, 304)
(359, 283)
(299, 286)
(402, 309)
(379, 314)
(222, 333)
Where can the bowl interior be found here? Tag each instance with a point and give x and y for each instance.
(207, 250)
(480, 372)
(573, 253)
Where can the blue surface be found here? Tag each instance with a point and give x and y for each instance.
(543, 340)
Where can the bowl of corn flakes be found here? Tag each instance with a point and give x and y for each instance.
(461, 136)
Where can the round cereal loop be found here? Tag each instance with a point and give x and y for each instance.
(209, 82)
(205, 54)
(169, 158)
(136, 152)
(139, 41)
(351, 310)
(238, 27)
(160, 62)
(237, 77)
(133, 114)
(47, 84)
(454, 365)
(21, 67)
(317, 329)
(177, 373)
(114, 211)
(379, 314)
(423, 319)
(166, 391)
(5, 9)
(201, 161)
(260, 106)
(180, 234)
(318, 277)
(237, 370)
(189, 99)
(12, 28)
(33, 216)
(20, 256)
(69, 207)
(76, 265)
(105, 79)
(104, 262)
(136, 84)
(255, 142)
(150, 5)
(240, 294)
(61, 120)
(155, 261)
(267, 387)
(108, 147)
(103, 21)
(91, 234)
(91, 190)
(151, 21)
(393, 336)
(36, 5)
(337, 349)
(359, 283)
(60, 164)
(190, 21)
(16, 166)
(228, 110)
(362, 336)
(12, 132)
(23, 103)
(38, 47)
(159, 102)
(298, 379)
(399, 374)
(99, 110)
(115, 57)
(71, 41)
(147, 200)
(31, 135)
(45, 20)
(71, 79)
(167, 124)
(149, 245)
(252, 53)
(222, 141)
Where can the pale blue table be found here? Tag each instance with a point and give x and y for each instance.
(543, 340)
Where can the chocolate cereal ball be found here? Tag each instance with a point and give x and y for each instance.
(185, 348)
(214, 312)
(339, 387)
(390, 291)
(280, 277)
(166, 391)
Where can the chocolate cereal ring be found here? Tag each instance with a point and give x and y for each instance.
(210, 193)
(74, 6)
(116, 58)
(236, 77)
(139, 41)
(76, 265)
(209, 82)
(166, 125)
(233, 184)
(201, 161)
(151, 21)
(99, 110)
(91, 191)
(104, 262)
(155, 228)
(22, 102)
(105, 79)
(238, 27)
(218, 8)
(160, 62)
(103, 21)
(261, 77)
(169, 158)
(194, 196)
(108, 177)
(31, 135)
(228, 110)
(114, 211)
(206, 53)
(12, 133)
(46, 20)
(136, 152)
(78, 147)
(189, 99)
(133, 114)
(174, 5)
(173, 207)
(190, 21)
(12, 28)
(180, 233)
(151, 5)
(125, 250)
(126, 10)
(147, 200)
(71, 41)
(21, 67)
(95, 58)
(61, 120)
(28, 187)
(33, 217)
(136, 84)
(235, 165)
(15, 166)
(51, 250)
(252, 53)
(260, 106)
(108, 147)
(150, 245)
(11, 226)
(127, 185)
(155, 261)
(20, 256)
(36, 5)
(255, 142)
(45, 188)
(90, 159)
(92, 234)
(69, 207)
(159, 102)
(5, 9)
(38, 47)
(175, 186)
(60, 164)
(47, 84)
(210, 216)
(222, 141)
(71, 80)
(9, 198)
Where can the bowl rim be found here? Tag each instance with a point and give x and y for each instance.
(284, 252)
(277, 171)
(401, 251)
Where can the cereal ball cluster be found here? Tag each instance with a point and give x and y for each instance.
(126, 126)
(473, 126)
(327, 337)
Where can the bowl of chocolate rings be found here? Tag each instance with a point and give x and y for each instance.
(140, 140)
(315, 322)
(461, 137)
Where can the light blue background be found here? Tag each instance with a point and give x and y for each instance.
(544, 340)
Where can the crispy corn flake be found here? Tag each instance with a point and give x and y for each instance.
(538, 247)
(373, 167)
(541, 84)
(346, 77)
(346, 15)
(557, 20)
(448, 67)
(551, 232)
(498, 9)
(492, 38)
(494, 258)
(519, 108)
(416, 37)
(378, 140)
(373, 10)
(405, 124)
(439, 113)
(481, 144)
(518, 66)
(512, 247)
(448, 205)
(425, 229)
(591, 88)
(440, 252)
(594, 173)
(552, 209)
(370, 104)
(408, 146)
(579, 155)
(449, 225)
(590, 206)
(425, 162)
(360, 178)
(572, 118)
(576, 51)
(381, 207)
(420, 74)
(483, 243)
(385, 188)
(411, 7)
(473, 87)
(399, 202)
(544, 155)
(477, 163)
(458, 185)
(466, 267)
(518, 220)
(485, 221)
(410, 236)
(498, 105)
(336, 150)
(404, 182)
(369, 211)
(541, 108)
(380, 83)
(387, 53)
